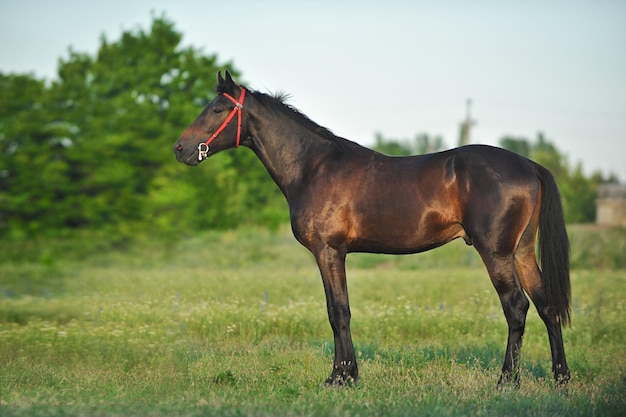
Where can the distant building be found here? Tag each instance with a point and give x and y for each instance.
(611, 205)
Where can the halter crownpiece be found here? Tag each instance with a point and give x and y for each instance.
(203, 147)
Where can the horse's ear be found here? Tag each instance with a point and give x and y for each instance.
(226, 85)
(229, 79)
(232, 85)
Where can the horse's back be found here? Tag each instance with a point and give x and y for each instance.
(480, 170)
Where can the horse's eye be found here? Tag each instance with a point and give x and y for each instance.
(217, 110)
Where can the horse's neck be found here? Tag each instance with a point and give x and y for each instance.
(288, 151)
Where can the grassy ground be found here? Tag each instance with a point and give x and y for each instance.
(234, 324)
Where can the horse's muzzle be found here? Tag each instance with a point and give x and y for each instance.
(185, 155)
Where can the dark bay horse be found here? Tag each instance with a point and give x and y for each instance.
(346, 198)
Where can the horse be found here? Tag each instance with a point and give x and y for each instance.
(345, 198)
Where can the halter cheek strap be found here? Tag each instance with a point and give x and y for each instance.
(203, 147)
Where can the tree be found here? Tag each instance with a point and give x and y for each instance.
(33, 159)
(93, 148)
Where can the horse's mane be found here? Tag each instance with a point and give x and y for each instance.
(278, 102)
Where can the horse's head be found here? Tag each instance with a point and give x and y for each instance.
(218, 127)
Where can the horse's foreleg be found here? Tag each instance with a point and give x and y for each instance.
(332, 267)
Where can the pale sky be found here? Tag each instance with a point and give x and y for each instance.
(395, 67)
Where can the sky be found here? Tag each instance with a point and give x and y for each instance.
(398, 68)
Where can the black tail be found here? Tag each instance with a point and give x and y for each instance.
(554, 248)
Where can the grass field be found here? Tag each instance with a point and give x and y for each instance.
(234, 324)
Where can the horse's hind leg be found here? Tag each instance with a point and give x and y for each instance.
(530, 278)
(515, 306)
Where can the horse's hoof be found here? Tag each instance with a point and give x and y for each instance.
(340, 380)
(508, 382)
(562, 380)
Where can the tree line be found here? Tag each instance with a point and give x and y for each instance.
(92, 148)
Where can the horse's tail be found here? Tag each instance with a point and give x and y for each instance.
(554, 248)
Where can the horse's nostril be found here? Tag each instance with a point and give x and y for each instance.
(179, 148)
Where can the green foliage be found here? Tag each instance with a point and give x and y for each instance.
(93, 148)
(234, 323)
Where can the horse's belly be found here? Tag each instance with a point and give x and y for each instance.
(403, 235)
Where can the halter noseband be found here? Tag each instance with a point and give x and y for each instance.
(203, 147)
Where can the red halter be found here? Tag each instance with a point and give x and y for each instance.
(203, 148)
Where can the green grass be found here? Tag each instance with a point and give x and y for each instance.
(234, 324)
